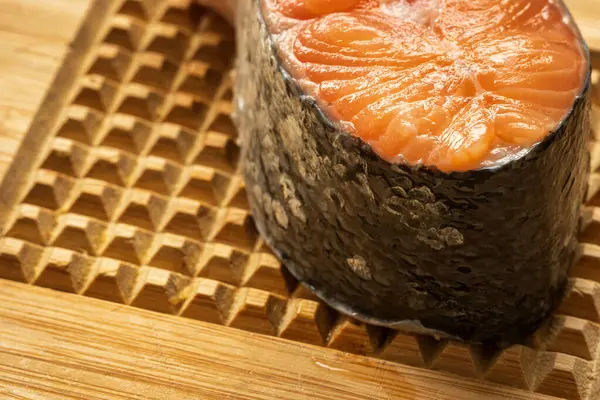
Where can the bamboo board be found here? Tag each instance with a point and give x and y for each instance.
(74, 354)
(126, 189)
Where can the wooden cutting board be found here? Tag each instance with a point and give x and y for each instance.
(129, 264)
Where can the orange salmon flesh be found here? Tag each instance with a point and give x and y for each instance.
(455, 84)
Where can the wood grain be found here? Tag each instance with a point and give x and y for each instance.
(96, 350)
(33, 46)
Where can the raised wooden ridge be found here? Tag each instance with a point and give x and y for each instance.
(126, 190)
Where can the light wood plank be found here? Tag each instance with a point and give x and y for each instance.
(65, 346)
(34, 40)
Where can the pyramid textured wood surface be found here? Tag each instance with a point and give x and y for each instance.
(131, 194)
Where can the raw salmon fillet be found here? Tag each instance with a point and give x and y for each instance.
(419, 164)
(455, 84)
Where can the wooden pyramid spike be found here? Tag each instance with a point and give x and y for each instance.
(66, 271)
(484, 357)
(50, 190)
(249, 310)
(219, 152)
(143, 210)
(82, 157)
(237, 229)
(204, 184)
(81, 124)
(173, 253)
(415, 350)
(154, 71)
(223, 123)
(33, 224)
(225, 264)
(90, 200)
(582, 299)
(134, 9)
(112, 62)
(172, 173)
(569, 335)
(125, 133)
(125, 32)
(302, 320)
(194, 256)
(204, 300)
(585, 218)
(105, 281)
(203, 82)
(56, 274)
(561, 375)
(61, 157)
(105, 167)
(509, 369)
(82, 269)
(96, 93)
(127, 168)
(112, 197)
(130, 280)
(456, 357)
(157, 290)
(20, 261)
(237, 196)
(79, 233)
(128, 244)
(591, 231)
(189, 218)
(354, 337)
(588, 266)
(185, 111)
(264, 272)
(117, 134)
(165, 145)
(544, 372)
(154, 8)
(184, 138)
(140, 101)
(303, 292)
(167, 40)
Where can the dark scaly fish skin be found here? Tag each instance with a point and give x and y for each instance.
(481, 256)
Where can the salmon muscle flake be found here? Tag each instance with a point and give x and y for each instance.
(455, 84)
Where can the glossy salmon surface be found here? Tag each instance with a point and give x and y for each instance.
(455, 84)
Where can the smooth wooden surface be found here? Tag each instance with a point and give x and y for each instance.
(62, 347)
(34, 39)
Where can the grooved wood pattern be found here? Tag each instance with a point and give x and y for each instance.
(126, 190)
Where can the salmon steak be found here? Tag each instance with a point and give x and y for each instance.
(419, 164)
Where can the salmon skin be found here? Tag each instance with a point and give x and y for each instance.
(479, 254)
